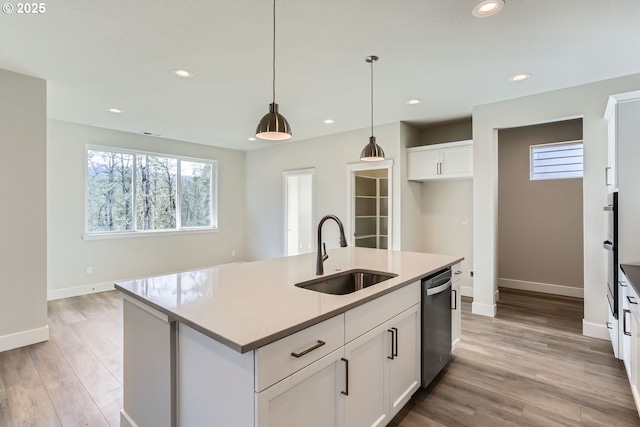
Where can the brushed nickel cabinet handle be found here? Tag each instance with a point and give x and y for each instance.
(346, 376)
(624, 321)
(623, 284)
(629, 299)
(393, 338)
(310, 349)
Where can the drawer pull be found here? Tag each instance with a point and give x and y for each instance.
(622, 283)
(458, 272)
(455, 299)
(609, 325)
(310, 349)
(629, 299)
(624, 321)
(346, 376)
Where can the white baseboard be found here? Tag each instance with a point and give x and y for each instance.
(75, 291)
(24, 338)
(595, 330)
(545, 288)
(466, 291)
(489, 310)
(496, 295)
(125, 421)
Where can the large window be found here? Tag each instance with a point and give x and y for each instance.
(557, 160)
(132, 191)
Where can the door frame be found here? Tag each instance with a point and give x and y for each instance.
(352, 168)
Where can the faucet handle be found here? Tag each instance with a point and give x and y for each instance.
(324, 249)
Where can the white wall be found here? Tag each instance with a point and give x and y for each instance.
(329, 155)
(411, 195)
(587, 101)
(125, 258)
(23, 222)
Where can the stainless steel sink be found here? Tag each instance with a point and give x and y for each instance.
(346, 282)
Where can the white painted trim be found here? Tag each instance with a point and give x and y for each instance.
(75, 291)
(24, 338)
(466, 291)
(285, 217)
(440, 146)
(496, 295)
(545, 288)
(595, 330)
(489, 310)
(125, 420)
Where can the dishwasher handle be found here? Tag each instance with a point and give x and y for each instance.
(438, 289)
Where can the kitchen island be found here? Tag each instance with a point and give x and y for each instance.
(242, 345)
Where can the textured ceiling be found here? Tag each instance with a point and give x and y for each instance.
(99, 54)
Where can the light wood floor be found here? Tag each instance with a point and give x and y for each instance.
(530, 366)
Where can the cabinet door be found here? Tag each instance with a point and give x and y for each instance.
(404, 366)
(634, 372)
(611, 173)
(365, 404)
(424, 164)
(612, 325)
(308, 398)
(457, 162)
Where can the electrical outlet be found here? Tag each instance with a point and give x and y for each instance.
(89, 271)
(465, 221)
(471, 274)
(233, 253)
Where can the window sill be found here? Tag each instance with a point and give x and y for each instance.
(135, 234)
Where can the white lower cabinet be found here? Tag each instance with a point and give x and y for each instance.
(456, 306)
(404, 366)
(384, 370)
(365, 402)
(308, 398)
(633, 368)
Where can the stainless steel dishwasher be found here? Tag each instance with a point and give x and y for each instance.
(436, 324)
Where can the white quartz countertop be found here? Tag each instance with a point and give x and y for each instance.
(248, 305)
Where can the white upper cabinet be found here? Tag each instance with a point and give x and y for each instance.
(441, 161)
(617, 128)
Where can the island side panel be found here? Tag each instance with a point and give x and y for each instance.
(215, 383)
(149, 368)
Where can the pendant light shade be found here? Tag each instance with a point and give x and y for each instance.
(372, 152)
(273, 126)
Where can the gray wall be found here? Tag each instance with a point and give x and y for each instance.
(329, 155)
(23, 221)
(540, 224)
(116, 259)
(447, 204)
(586, 101)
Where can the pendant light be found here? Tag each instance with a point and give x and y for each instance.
(273, 126)
(372, 152)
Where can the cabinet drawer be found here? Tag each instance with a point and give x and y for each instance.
(367, 316)
(456, 272)
(276, 361)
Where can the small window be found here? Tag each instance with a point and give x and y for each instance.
(557, 160)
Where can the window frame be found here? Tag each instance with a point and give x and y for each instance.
(213, 202)
(548, 144)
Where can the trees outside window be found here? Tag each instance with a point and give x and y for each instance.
(133, 191)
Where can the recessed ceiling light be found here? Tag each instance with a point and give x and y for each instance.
(328, 121)
(185, 74)
(115, 110)
(519, 77)
(414, 101)
(487, 8)
(252, 139)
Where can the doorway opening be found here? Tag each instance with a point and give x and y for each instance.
(298, 211)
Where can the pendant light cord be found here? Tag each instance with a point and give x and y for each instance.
(274, 51)
(371, 96)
